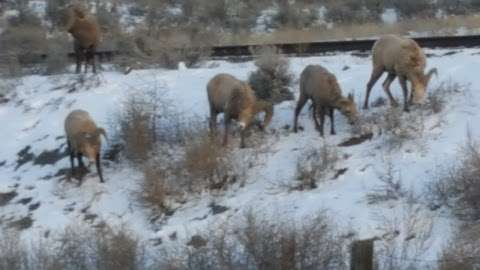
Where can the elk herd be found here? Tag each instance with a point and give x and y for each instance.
(398, 56)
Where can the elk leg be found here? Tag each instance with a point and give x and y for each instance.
(332, 122)
(72, 157)
(99, 168)
(92, 58)
(87, 59)
(322, 119)
(242, 137)
(80, 161)
(376, 74)
(227, 129)
(386, 87)
(301, 102)
(77, 50)
(315, 118)
(403, 84)
(213, 121)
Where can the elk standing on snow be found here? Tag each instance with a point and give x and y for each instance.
(83, 139)
(321, 86)
(86, 35)
(236, 100)
(401, 57)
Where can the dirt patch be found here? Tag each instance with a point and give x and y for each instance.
(90, 218)
(340, 172)
(7, 197)
(24, 156)
(50, 157)
(197, 241)
(34, 206)
(21, 224)
(357, 140)
(25, 201)
(3, 99)
(361, 54)
(449, 53)
(217, 209)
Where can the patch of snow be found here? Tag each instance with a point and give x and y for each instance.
(39, 105)
(390, 16)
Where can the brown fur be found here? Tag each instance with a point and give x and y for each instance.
(86, 35)
(83, 139)
(321, 86)
(236, 99)
(402, 57)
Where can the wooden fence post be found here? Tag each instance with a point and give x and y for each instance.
(362, 255)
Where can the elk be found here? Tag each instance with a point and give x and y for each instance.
(83, 139)
(321, 86)
(403, 58)
(86, 36)
(236, 100)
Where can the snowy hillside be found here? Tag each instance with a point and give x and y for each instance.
(32, 163)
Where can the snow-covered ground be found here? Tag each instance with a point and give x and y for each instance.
(37, 107)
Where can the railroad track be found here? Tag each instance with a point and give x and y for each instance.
(313, 48)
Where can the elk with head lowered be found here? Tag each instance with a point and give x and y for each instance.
(402, 57)
(83, 139)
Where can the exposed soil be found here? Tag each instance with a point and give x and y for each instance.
(7, 197)
(357, 140)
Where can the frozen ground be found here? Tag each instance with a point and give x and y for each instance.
(34, 118)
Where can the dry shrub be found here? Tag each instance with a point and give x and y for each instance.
(12, 251)
(208, 163)
(314, 166)
(399, 127)
(58, 49)
(23, 46)
(406, 236)
(267, 244)
(463, 251)
(437, 98)
(272, 79)
(458, 187)
(354, 11)
(188, 44)
(156, 188)
(414, 8)
(136, 129)
(390, 188)
(55, 13)
(454, 7)
(294, 15)
(74, 248)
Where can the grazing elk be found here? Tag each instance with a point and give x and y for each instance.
(236, 100)
(402, 57)
(83, 139)
(321, 86)
(86, 36)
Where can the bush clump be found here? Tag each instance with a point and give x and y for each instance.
(272, 79)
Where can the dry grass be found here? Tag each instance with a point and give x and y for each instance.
(264, 244)
(390, 188)
(406, 237)
(458, 187)
(314, 166)
(207, 163)
(463, 251)
(430, 26)
(272, 79)
(74, 248)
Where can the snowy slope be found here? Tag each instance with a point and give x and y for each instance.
(34, 117)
